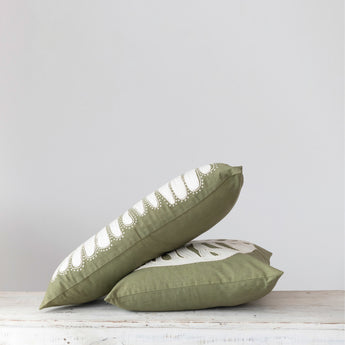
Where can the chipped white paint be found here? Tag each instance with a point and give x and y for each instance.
(281, 318)
(181, 187)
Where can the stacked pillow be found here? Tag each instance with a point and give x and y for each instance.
(181, 274)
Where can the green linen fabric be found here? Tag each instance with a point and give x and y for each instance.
(201, 274)
(164, 220)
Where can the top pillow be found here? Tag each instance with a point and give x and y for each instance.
(164, 220)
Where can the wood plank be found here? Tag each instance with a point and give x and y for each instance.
(283, 317)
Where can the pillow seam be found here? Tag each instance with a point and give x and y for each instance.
(194, 285)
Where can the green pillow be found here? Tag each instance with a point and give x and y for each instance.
(201, 274)
(165, 220)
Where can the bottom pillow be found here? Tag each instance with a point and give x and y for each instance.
(201, 274)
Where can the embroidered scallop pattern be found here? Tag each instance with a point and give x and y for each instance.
(166, 192)
(127, 219)
(103, 240)
(90, 246)
(115, 228)
(205, 169)
(152, 199)
(76, 257)
(172, 193)
(64, 264)
(179, 188)
(192, 180)
(139, 207)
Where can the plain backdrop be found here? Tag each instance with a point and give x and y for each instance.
(101, 102)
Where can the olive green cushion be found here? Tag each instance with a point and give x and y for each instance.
(201, 274)
(164, 220)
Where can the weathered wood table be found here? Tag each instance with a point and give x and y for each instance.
(280, 318)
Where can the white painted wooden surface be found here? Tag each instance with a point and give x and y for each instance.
(292, 317)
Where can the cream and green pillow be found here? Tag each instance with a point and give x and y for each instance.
(164, 220)
(201, 274)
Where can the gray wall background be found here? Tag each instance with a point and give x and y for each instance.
(102, 102)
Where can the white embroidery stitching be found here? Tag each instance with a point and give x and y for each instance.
(127, 221)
